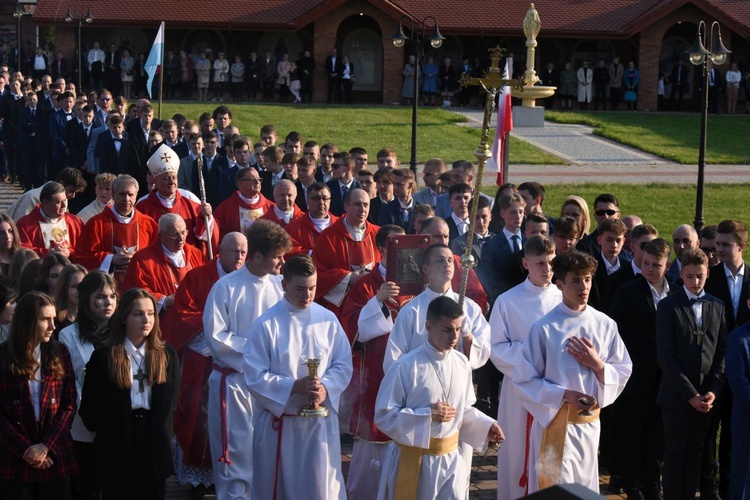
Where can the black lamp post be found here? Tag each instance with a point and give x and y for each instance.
(18, 14)
(76, 14)
(436, 41)
(716, 54)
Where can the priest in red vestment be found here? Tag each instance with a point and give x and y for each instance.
(438, 230)
(346, 251)
(367, 315)
(285, 211)
(49, 227)
(167, 199)
(161, 267)
(305, 229)
(182, 327)
(110, 239)
(239, 211)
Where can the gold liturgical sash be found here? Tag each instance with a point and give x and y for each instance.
(549, 464)
(407, 476)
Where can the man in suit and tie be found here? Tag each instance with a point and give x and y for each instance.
(31, 123)
(112, 149)
(333, 70)
(214, 165)
(690, 344)
(458, 220)
(342, 182)
(139, 143)
(59, 66)
(714, 88)
(58, 131)
(399, 211)
(383, 193)
(499, 248)
(273, 170)
(306, 170)
(103, 107)
(79, 137)
(639, 237)
(679, 79)
(112, 68)
(431, 172)
(482, 234)
(609, 260)
(461, 172)
(684, 238)
(639, 436)
(728, 281)
(187, 172)
(606, 206)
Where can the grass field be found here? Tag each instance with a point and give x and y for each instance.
(666, 206)
(372, 127)
(671, 136)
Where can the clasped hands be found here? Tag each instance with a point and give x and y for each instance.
(704, 403)
(311, 386)
(36, 456)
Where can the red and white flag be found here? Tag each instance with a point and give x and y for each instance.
(502, 130)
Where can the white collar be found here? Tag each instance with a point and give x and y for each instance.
(49, 219)
(636, 269)
(167, 202)
(122, 219)
(131, 349)
(691, 295)
(740, 272)
(381, 270)
(176, 258)
(250, 201)
(509, 235)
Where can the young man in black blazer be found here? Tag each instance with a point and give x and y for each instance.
(728, 281)
(606, 206)
(690, 343)
(113, 149)
(610, 240)
(639, 238)
(639, 436)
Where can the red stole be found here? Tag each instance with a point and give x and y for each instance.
(227, 214)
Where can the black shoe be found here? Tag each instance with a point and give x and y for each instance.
(635, 494)
(712, 494)
(615, 484)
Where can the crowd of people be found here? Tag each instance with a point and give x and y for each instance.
(175, 294)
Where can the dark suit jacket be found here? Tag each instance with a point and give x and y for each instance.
(375, 205)
(109, 159)
(301, 200)
(673, 273)
(181, 149)
(30, 127)
(453, 232)
(227, 184)
(266, 184)
(106, 410)
(597, 296)
(390, 213)
(716, 285)
(58, 132)
(634, 312)
(212, 179)
(330, 68)
(20, 429)
(61, 71)
(614, 281)
(492, 270)
(337, 202)
(135, 125)
(589, 244)
(78, 144)
(687, 368)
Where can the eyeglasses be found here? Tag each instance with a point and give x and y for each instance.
(320, 198)
(251, 181)
(609, 213)
(177, 234)
(105, 98)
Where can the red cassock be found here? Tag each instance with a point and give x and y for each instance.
(303, 233)
(103, 235)
(271, 215)
(474, 289)
(336, 254)
(152, 270)
(227, 214)
(188, 210)
(367, 356)
(181, 324)
(31, 235)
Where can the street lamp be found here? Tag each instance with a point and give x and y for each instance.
(76, 14)
(399, 40)
(19, 14)
(716, 54)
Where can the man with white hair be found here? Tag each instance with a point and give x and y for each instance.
(161, 267)
(285, 211)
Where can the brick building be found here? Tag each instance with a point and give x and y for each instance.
(652, 33)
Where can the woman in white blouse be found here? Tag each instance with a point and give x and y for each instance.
(97, 301)
(733, 78)
(221, 76)
(129, 397)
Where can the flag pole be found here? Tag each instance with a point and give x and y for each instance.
(161, 68)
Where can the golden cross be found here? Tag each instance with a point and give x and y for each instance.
(491, 82)
(165, 157)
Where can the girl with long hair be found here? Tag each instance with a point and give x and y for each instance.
(37, 388)
(97, 302)
(52, 266)
(10, 242)
(576, 207)
(66, 295)
(130, 393)
(19, 261)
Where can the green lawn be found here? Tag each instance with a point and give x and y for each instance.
(666, 206)
(372, 127)
(671, 136)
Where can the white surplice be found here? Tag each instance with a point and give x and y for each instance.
(402, 411)
(409, 332)
(512, 316)
(233, 305)
(310, 459)
(546, 369)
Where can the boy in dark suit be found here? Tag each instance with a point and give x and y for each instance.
(399, 210)
(482, 233)
(728, 281)
(58, 127)
(690, 344)
(639, 237)
(112, 148)
(606, 206)
(342, 182)
(459, 195)
(639, 436)
(31, 122)
(610, 239)
(384, 193)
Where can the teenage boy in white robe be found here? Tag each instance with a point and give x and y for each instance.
(233, 305)
(572, 364)
(513, 314)
(301, 456)
(425, 405)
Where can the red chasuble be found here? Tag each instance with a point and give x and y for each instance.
(188, 210)
(336, 254)
(182, 323)
(474, 289)
(303, 233)
(367, 357)
(271, 215)
(41, 236)
(233, 214)
(152, 270)
(103, 235)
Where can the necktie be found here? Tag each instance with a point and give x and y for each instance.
(87, 132)
(344, 190)
(118, 140)
(33, 112)
(516, 242)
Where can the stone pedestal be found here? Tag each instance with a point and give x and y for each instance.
(524, 116)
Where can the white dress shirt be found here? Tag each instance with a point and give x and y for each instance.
(137, 358)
